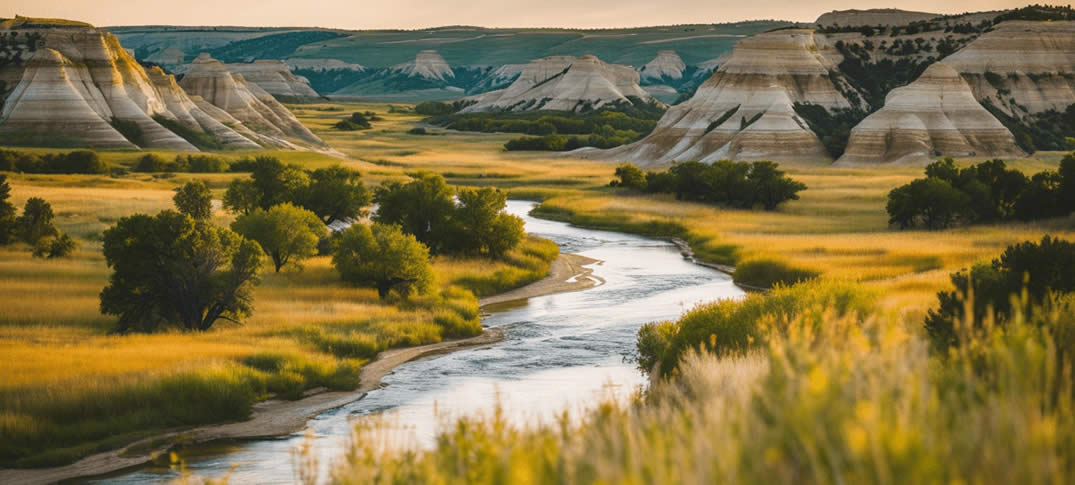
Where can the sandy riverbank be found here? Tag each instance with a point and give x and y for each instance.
(277, 418)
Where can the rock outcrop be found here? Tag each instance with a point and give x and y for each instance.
(211, 80)
(565, 84)
(1021, 67)
(428, 64)
(667, 65)
(275, 78)
(936, 115)
(872, 17)
(745, 110)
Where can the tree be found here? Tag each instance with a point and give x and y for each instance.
(51, 247)
(384, 257)
(930, 201)
(7, 213)
(335, 194)
(1067, 181)
(172, 270)
(36, 221)
(1044, 270)
(479, 225)
(422, 207)
(286, 233)
(194, 200)
(770, 187)
(631, 177)
(271, 183)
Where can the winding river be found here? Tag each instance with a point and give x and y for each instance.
(565, 351)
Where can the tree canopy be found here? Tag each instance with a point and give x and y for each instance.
(170, 270)
(7, 213)
(334, 193)
(422, 207)
(384, 257)
(286, 233)
(36, 221)
(480, 227)
(194, 200)
(740, 185)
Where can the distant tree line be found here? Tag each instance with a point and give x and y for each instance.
(153, 163)
(76, 162)
(739, 185)
(986, 192)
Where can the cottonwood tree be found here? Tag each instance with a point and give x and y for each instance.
(384, 257)
(7, 213)
(335, 193)
(286, 233)
(170, 270)
(271, 182)
(36, 221)
(194, 200)
(52, 247)
(422, 207)
(479, 225)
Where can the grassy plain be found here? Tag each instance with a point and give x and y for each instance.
(72, 388)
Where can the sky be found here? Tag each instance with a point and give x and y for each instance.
(417, 14)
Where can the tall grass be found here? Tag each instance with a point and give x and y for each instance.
(856, 398)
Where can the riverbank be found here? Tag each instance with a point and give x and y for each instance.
(568, 272)
(276, 417)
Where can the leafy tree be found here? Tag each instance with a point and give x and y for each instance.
(52, 247)
(1044, 270)
(930, 201)
(1066, 186)
(422, 207)
(384, 257)
(770, 187)
(479, 225)
(7, 213)
(286, 233)
(242, 197)
(336, 193)
(36, 221)
(272, 182)
(194, 200)
(630, 176)
(172, 270)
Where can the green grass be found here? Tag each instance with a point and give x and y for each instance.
(770, 273)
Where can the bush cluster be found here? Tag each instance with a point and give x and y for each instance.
(34, 227)
(151, 163)
(427, 208)
(79, 161)
(986, 192)
(358, 121)
(740, 185)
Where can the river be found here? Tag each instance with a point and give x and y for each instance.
(565, 351)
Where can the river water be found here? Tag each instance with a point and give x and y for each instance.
(567, 351)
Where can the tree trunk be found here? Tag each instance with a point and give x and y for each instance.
(383, 288)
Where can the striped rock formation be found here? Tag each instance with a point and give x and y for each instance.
(210, 80)
(427, 64)
(667, 65)
(744, 111)
(275, 78)
(68, 84)
(565, 84)
(936, 115)
(1032, 63)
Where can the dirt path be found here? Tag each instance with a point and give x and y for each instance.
(277, 418)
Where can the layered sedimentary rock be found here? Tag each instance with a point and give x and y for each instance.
(211, 80)
(745, 110)
(186, 111)
(275, 78)
(1021, 67)
(667, 65)
(565, 84)
(936, 115)
(872, 17)
(427, 64)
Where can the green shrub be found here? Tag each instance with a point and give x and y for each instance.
(770, 273)
(200, 139)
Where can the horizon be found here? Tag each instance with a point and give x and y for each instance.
(414, 15)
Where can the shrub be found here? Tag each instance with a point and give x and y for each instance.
(51, 247)
(736, 326)
(770, 273)
(8, 220)
(1044, 271)
(434, 108)
(200, 139)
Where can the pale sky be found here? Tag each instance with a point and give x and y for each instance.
(414, 14)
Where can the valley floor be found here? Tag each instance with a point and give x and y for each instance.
(73, 389)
